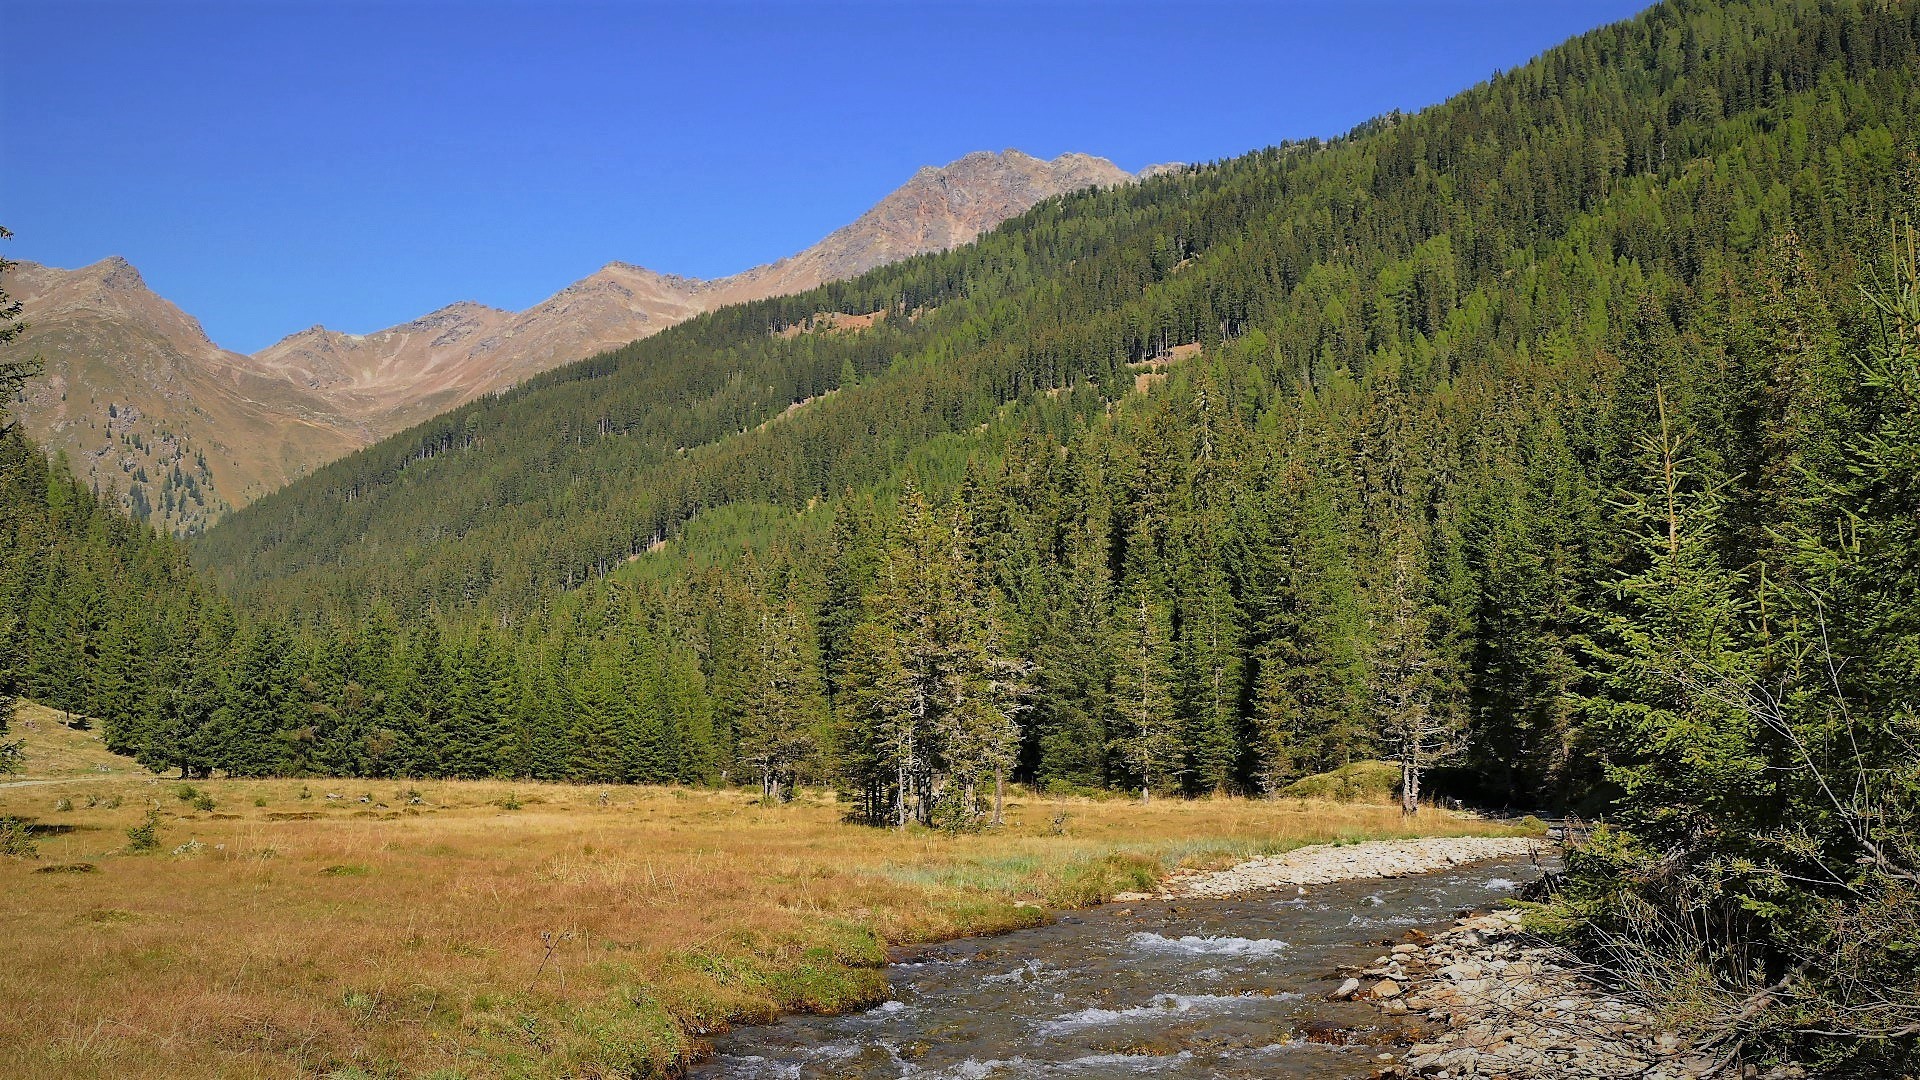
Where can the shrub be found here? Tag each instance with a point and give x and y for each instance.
(952, 814)
(145, 836)
(16, 839)
(186, 793)
(62, 806)
(203, 801)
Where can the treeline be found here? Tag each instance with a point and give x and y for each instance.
(1374, 513)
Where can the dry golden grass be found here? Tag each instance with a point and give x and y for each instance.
(590, 932)
(51, 748)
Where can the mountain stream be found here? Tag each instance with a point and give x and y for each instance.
(1231, 988)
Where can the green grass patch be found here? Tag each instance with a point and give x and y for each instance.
(1362, 781)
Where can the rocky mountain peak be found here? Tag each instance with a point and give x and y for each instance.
(317, 393)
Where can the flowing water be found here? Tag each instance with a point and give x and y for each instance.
(1185, 988)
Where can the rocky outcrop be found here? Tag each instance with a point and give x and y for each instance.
(940, 208)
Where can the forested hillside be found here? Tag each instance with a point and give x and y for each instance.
(1426, 359)
(1562, 435)
(99, 614)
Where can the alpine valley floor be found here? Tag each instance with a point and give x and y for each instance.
(478, 929)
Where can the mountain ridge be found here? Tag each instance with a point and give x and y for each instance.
(129, 371)
(938, 208)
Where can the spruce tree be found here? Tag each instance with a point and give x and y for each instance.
(1143, 694)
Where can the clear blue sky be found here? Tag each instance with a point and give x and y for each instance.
(273, 164)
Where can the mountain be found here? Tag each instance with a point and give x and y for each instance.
(1537, 228)
(146, 406)
(404, 374)
(395, 377)
(936, 210)
(143, 404)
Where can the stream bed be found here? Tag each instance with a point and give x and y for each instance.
(1178, 989)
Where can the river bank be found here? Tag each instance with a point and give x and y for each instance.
(1324, 864)
(1516, 1008)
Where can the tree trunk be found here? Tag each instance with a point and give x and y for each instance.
(999, 796)
(1409, 788)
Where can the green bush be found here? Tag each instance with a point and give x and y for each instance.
(145, 836)
(16, 839)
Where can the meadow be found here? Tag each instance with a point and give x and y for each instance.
(474, 929)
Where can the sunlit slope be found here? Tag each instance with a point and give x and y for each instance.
(1659, 147)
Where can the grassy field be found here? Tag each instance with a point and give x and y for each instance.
(53, 749)
(486, 929)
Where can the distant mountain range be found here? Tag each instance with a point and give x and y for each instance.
(143, 403)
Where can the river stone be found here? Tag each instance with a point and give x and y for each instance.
(1346, 991)
(1384, 989)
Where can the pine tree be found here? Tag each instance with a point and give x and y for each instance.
(1072, 703)
(932, 690)
(260, 703)
(1684, 756)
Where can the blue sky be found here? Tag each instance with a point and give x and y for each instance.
(273, 164)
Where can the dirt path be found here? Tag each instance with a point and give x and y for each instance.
(36, 782)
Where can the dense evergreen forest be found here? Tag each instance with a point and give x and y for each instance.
(1565, 436)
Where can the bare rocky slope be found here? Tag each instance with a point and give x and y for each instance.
(143, 403)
